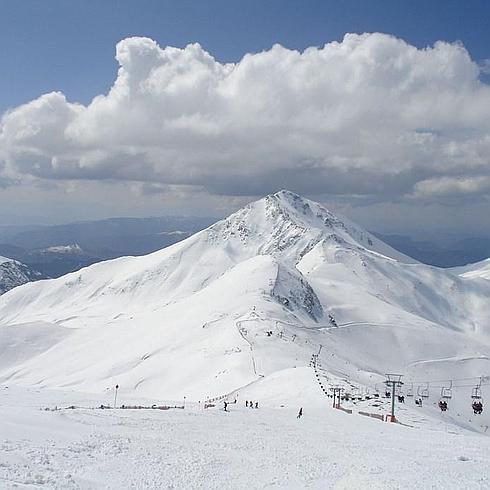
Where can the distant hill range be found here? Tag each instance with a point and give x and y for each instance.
(57, 250)
(445, 252)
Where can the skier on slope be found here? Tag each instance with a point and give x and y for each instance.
(300, 413)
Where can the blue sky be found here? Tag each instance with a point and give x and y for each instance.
(69, 45)
(390, 128)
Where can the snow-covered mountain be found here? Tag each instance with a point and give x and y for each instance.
(73, 249)
(242, 304)
(14, 273)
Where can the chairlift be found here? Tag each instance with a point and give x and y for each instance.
(423, 391)
(447, 392)
(410, 390)
(476, 391)
(477, 404)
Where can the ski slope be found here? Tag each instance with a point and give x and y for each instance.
(244, 448)
(193, 319)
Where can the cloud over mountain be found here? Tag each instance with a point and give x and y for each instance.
(371, 115)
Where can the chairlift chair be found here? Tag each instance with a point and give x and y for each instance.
(447, 392)
(476, 392)
(477, 403)
(410, 390)
(423, 391)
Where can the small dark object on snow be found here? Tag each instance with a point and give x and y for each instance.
(300, 413)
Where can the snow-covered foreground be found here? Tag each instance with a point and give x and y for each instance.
(245, 448)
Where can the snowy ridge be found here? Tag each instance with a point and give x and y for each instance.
(14, 273)
(243, 303)
(288, 225)
(474, 271)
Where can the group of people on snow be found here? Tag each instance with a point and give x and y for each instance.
(251, 404)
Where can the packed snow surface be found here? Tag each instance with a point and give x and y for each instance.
(88, 448)
(246, 303)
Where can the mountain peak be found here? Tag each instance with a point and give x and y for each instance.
(287, 195)
(287, 225)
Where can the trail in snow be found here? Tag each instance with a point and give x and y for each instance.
(244, 337)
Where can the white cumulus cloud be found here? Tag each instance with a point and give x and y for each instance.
(371, 116)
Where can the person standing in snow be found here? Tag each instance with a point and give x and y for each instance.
(256, 404)
(246, 403)
(300, 413)
(226, 406)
